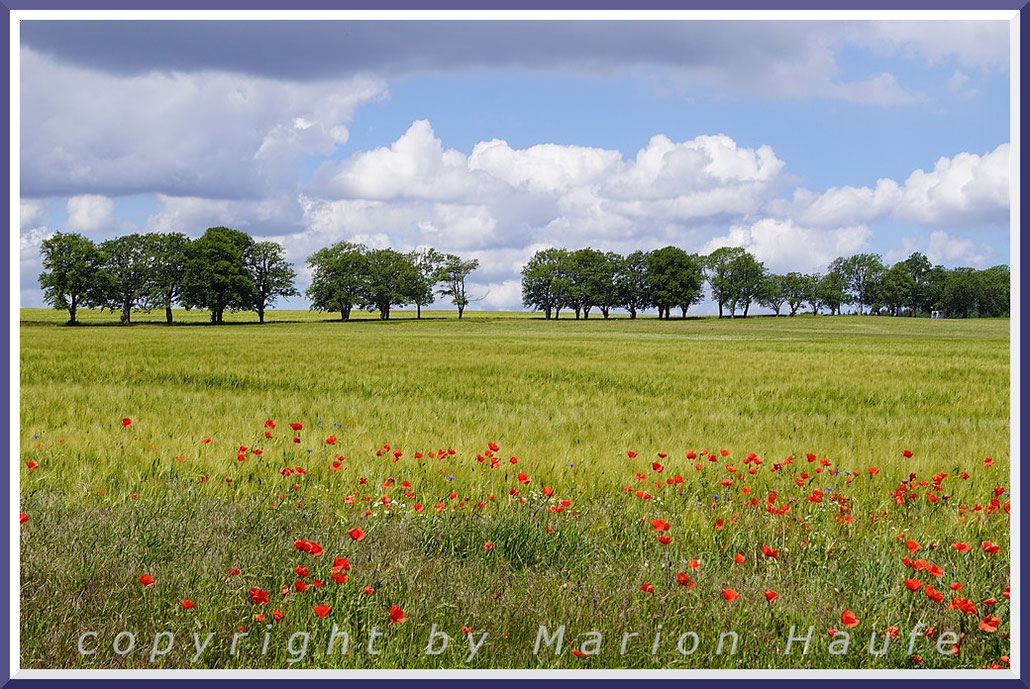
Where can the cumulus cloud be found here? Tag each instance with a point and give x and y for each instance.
(964, 190)
(89, 213)
(211, 134)
(784, 246)
(31, 211)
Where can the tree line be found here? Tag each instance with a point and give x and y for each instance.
(670, 278)
(228, 270)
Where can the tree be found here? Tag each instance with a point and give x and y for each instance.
(338, 275)
(995, 288)
(813, 294)
(933, 288)
(128, 262)
(773, 292)
(746, 275)
(391, 280)
(540, 281)
(216, 276)
(897, 288)
(589, 273)
(918, 266)
(674, 278)
(794, 286)
(167, 270)
(961, 290)
(452, 273)
(608, 290)
(863, 271)
(427, 262)
(717, 272)
(273, 276)
(833, 291)
(73, 273)
(631, 283)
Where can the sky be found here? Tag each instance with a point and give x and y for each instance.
(799, 141)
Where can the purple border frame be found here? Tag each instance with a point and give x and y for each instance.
(9, 5)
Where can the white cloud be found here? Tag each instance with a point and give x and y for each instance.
(783, 246)
(971, 44)
(212, 134)
(949, 250)
(31, 211)
(964, 190)
(90, 213)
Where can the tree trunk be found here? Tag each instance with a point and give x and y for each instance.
(684, 310)
(461, 310)
(720, 309)
(261, 315)
(418, 311)
(168, 313)
(632, 313)
(72, 309)
(746, 307)
(547, 312)
(604, 312)
(577, 313)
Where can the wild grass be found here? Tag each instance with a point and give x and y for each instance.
(568, 399)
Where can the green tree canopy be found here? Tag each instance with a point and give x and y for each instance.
(216, 276)
(73, 273)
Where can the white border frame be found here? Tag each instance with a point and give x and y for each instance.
(14, 434)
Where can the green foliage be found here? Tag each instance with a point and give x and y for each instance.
(337, 278)
(390, 280)
(452, 271)
(168, 269)
(273, 276)
(73, 274)
(674, 279)
(544, 286)
(216, 276)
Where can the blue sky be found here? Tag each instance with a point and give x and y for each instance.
(773, 136)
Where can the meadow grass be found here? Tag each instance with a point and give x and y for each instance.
(568, 399)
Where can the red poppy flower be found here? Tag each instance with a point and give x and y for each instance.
(933, 594)
(297, 426)
(368, 591)
(631, 454)
(523, 478)
(849, 619)
(258, 596)
(990, 624)
(187, 604)
(647, 588)
(322, 610)
(356, 534)
(664, 539)
(961, 547)
(277, 615)
(660, 525)
(770, 552)
(739, 559)
(873, 471)
(771, 596)
(730, 595)
(338, 577)
(397, 614)
(488, 546)
(126, 422)
(340, 564)
(578, 653)
(146, 580)
(31, 465)
(912, 546)
(494, 447)
(906, 453)
(913, 584)
(22, 518)
(657, 467)
(694, 564)
(299, 586)
(990, 548)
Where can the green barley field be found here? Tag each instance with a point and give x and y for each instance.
(640, 493)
